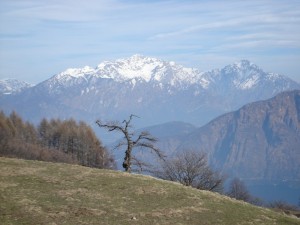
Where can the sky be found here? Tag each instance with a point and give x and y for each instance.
(40, 38)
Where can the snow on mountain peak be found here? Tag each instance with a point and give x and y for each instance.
(77, 72)
(135, 67)
(138, 68)
(145, 68)
(241, 66)
(129, 68)
(10, 86)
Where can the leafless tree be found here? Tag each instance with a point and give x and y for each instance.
(131, 141)
(238, 190)
(191, 169)
(283, 206)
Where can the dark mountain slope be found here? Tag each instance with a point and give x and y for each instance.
(259, 141)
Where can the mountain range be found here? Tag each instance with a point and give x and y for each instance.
(256, 135)
(156, 90)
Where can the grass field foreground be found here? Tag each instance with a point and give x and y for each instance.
(33, 192)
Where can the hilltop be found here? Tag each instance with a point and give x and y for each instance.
(34, 192)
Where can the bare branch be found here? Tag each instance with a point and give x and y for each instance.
(191, 169)
(140, 164)
(144, 135)
(111, 126)
(127, 122)
(119, 145)
(150, 146)
(143, 140)
(238, 190)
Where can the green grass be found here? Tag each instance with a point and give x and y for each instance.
(33, 192)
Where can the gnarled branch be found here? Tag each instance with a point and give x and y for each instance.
(143, 140)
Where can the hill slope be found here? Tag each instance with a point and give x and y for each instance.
(45, 193)
(259, 141)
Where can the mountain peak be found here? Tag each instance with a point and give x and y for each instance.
(139, 57)
(242, 74)
(10, 86)
(136, 66)
(241, 66)
(77, 72)
(243, 63)
(146, 69)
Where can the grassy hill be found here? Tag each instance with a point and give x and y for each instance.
(33, 192)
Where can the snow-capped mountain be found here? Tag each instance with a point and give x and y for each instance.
(134, 69)
(242, 75)
(156, 90)
(12, 86)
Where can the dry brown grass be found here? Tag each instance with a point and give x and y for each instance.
(47, 193)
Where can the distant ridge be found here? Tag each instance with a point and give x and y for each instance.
(156, 90)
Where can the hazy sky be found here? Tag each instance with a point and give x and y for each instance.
(39, 38)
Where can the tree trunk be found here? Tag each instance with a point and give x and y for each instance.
(127, 159)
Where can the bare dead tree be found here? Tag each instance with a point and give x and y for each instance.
(191, 169)
(131, 141)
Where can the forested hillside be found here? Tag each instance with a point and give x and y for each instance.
(55, 140)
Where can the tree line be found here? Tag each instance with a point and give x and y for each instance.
(52, 140)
